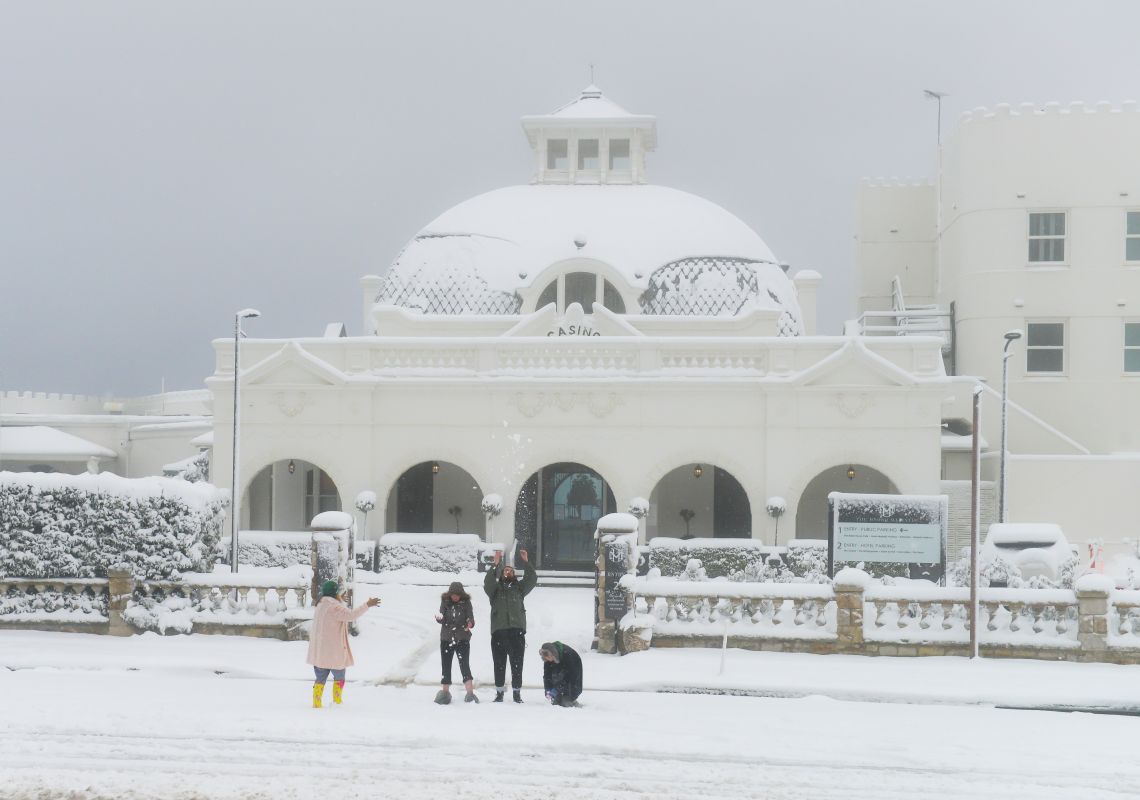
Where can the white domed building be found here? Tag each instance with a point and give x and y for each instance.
(574, 345)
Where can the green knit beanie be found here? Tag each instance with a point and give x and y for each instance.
(330, 589)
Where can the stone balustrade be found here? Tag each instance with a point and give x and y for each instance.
(238, 605)
(853, 616)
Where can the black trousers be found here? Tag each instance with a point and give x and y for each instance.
(508, 643)
(462, 651)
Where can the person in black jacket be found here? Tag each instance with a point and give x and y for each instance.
(561, 673)
(456, 619)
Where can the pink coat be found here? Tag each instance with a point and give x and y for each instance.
(328, 637)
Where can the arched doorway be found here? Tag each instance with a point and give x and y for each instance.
(435, 497)
(556, 514)
(287, 494)
(699, 500)
(811, 513)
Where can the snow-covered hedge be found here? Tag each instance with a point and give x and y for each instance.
(436, 552)
(271, 548)
(78, 526)
(719, 557)
(802, 561)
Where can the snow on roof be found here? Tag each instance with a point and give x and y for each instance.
(176, 467)
(509, 236)
(39, 442)
(591, 104)
(1019, 532)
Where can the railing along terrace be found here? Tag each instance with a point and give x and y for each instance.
(772, 610)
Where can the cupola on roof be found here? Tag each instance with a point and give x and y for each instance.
(666, 251)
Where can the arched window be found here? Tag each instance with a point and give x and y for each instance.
(583, 288)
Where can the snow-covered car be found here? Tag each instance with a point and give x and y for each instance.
(1035, 548)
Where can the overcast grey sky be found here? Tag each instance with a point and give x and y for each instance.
(165, 164)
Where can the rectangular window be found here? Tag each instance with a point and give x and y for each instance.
(588, 154)
(1045, 347)
(1046, 237)
(619, 154)
(1132, 237)
(1132, 347)
(557, 154)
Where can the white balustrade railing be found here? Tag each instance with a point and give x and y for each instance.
(229, 599)
(65, 599)
(764, 610)
(1033, 617)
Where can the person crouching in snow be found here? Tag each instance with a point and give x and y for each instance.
(561, 673)
(328, 640)
(457, 619)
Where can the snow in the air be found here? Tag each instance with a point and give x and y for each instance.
(228, 718)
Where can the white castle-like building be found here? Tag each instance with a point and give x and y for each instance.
(587, 340)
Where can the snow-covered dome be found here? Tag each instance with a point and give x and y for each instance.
(662, 251)
(682, 254)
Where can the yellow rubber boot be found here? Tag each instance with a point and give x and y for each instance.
(338, 692)
(318, 694)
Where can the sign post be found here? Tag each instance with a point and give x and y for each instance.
(615, 541)
(880, 529)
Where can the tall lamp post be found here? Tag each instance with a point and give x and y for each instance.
(1010, 338)
(235, 490)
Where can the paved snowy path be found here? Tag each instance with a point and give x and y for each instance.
(152, 734)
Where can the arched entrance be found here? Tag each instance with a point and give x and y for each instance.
(556, 514)
(435, 497)
(811, 513)
(287, 494)
(699, 500)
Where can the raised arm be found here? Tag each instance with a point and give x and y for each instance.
(491, 581)
(531, 577)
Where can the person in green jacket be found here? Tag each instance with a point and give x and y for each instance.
(508, 621)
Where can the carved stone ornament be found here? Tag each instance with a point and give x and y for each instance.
(853, 404)
(600, 404)
(291, 403)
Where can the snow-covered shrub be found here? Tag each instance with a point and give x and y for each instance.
(999, 572)
(91, 602)
(78, 526)
(435, 552)
(169, 614)
(693, 571)
(199, 469)
(639, 507)
(720, 557)
(492, 505)
(274, 549)
(806, 560)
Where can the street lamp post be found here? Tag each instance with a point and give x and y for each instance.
(235, 489)
(1010, 338)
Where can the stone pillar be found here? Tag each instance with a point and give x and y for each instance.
(849, 584)
(120, 587)
(1093, 591)
(807, 289)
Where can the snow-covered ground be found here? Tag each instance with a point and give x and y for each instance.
(199, 716)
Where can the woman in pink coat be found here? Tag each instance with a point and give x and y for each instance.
(328, 640)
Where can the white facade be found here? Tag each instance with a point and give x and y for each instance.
(1029, 229)
(587, 333)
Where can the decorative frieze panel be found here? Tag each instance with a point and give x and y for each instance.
(600, 404)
